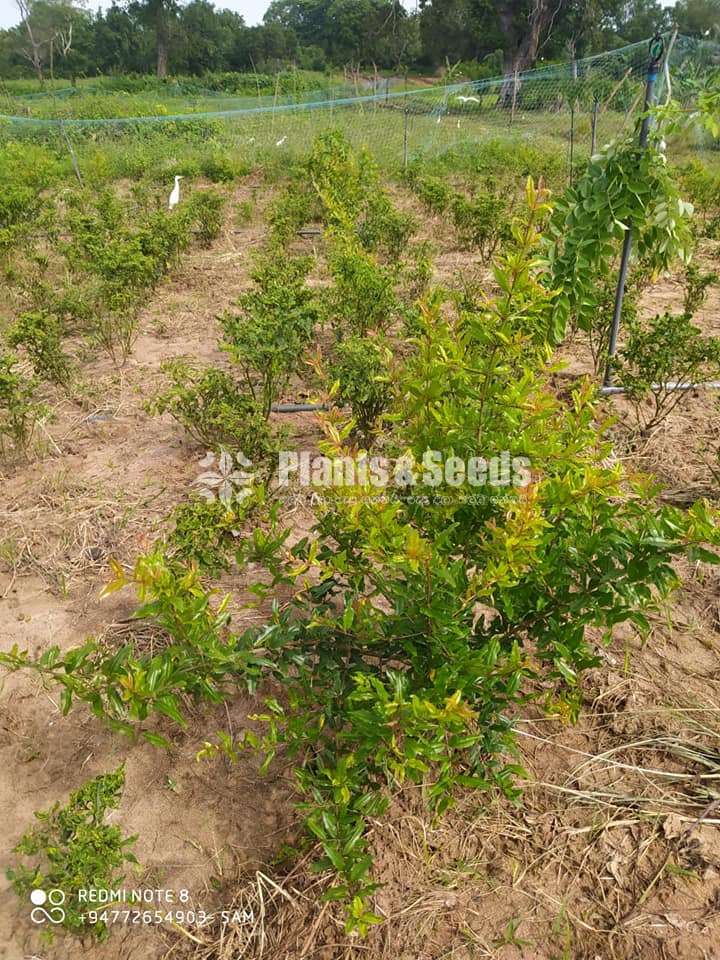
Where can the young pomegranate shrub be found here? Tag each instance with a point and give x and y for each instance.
(213, 410)
(362, 298)
(341, 187)
(274, 326)
(72, 848)
(20, 410)
(433, 612)
(202, 660)
(482, 221)
(118, 254)
(204, 530)
(424, 611)
(662, 352)
(40, 333)
(665, 351)
(360, 372)
(206, 208)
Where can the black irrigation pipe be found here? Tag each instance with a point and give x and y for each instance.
(298, 407)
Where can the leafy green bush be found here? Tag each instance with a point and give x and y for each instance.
(342, 178)
(667, 350)
(434, 192)
(341, 187)
(126, 686)
(430, 618)
(19, 410)
(244, 212)
(40, 334)
(360, 367)
(72, 849)
(204, 532)
(19, 209)
(206, 209)
(622, 184)
(274, 326)
(598, 332)
(482, 221)
(121, 260)
(362, 297)
(290, 210)
(419, 621)
(384, 229)
(703, 188)
(222, 168)
(697, 282)
(212, 409)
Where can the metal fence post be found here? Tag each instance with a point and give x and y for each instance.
(405, 139)
(593, 126)
(657, 48)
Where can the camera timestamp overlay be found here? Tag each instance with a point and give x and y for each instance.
(130, 906)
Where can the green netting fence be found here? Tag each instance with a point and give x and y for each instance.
(574, 105)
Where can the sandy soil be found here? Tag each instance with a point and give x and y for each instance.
(612, 852)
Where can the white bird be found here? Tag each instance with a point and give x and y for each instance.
(174, 198)
(251, 140)
(469, 99)
(281, 141)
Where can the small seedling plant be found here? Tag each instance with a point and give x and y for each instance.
(72, 848)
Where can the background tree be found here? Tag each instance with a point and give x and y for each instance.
(159, 15)
(206, 37)
(698, 18)
(196, 37)
(641, 19)
(121, 43)
(47, 26)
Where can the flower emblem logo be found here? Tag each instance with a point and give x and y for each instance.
(222, 480)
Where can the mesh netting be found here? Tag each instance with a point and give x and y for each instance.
(582, 104)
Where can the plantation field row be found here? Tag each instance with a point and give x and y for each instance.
(460, 711)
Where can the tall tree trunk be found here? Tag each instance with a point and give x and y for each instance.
(161, 34)
(35, 53)
(523, 33)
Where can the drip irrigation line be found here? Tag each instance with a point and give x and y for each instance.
(672, 386)
(298, 407)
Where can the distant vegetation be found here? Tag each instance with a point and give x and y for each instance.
(59, 38)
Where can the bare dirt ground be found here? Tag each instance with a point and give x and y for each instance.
(611, 853)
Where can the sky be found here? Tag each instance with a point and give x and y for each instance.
(252, 10)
